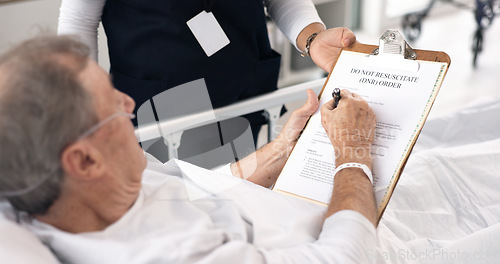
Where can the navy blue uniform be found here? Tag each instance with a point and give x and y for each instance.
(152, 49)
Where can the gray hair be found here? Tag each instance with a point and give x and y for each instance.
(43, 108)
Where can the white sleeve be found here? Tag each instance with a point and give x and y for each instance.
(347, 238)
(81, 18)
(292, 16)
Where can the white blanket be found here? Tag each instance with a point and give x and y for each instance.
(446, 206)
(445, 209)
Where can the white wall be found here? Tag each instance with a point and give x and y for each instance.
(22, 20)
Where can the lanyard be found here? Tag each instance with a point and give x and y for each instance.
(208, 5)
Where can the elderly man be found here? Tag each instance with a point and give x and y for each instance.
(71, 163)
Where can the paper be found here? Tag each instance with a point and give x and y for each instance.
(400, 100)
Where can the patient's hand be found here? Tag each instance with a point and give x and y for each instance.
(298, 119)
(264, 166)
(350, 128)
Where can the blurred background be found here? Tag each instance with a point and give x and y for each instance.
(448, 26)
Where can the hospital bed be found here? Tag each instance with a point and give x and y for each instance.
(445, 209)
(171, 130)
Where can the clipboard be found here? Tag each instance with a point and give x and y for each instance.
(388, 43)
(393, 43)
(392, 50)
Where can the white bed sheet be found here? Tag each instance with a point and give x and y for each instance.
(446, 207)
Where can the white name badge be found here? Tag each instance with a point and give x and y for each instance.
(208, 32)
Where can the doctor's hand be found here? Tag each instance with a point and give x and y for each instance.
(297, 121)
(326, 46)
(350, 127)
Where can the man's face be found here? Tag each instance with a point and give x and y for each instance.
(116, 139)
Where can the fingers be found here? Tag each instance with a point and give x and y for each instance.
(345, 95)
(311, 104)
(312, 99)
(306, 110)
(328, 105)
(356, 96)
(338, 37)
(299, 118)
(352, 122)
(348, 37)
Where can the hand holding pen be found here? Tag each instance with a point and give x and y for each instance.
(350, 124)
(336, 97)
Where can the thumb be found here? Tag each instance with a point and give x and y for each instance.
(312, 102)
(348, 37)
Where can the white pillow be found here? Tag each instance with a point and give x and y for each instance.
(17, 244)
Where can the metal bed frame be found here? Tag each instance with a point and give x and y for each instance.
(171, 130)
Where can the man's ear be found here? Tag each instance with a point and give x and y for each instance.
(82, 160)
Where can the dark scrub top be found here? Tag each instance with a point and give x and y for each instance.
(151, 49)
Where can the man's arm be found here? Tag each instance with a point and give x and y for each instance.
(351, 129)
(348, 234)
(293, 16)
(263, 166)
(298, 20)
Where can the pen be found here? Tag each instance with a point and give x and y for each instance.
(336, 97)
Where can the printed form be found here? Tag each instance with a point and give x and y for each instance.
(400, 100)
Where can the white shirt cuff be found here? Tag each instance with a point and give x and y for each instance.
(292, 16)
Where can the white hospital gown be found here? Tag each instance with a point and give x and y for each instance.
(218, 219)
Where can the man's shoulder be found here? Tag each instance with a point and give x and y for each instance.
(158, 173)
(196, 181)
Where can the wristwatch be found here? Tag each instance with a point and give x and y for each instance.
(307, 51)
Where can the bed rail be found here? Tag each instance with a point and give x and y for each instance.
(171, 130)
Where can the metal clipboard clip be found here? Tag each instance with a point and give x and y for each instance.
(394, 53)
